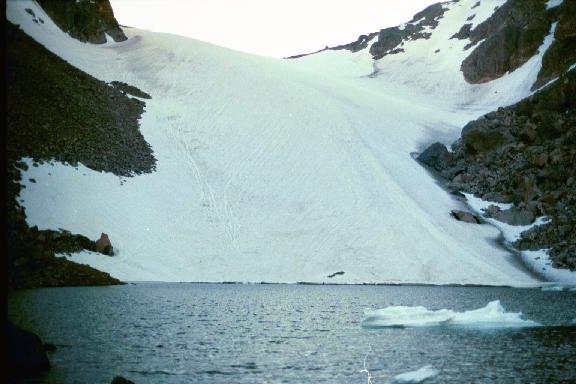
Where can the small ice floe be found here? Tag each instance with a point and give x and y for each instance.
(417, 376)
(552, 288)
(492, 315)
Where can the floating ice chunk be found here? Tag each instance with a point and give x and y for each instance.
(417, 376)
(552, 288)
(492, 315)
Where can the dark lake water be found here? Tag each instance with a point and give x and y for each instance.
(210, 333)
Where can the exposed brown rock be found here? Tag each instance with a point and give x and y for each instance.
(466, 217)
(85, 20)
(103, 245)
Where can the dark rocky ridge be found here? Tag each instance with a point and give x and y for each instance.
(513, 34)
(523, 154)
(85, 20)
(502, 43)
(55, 111)
(562, 53)
(390, 40)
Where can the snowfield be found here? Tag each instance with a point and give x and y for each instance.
(281, 170)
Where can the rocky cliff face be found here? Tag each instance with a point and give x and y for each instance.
(512, 36)
(55, 111)
(85, 20)
(523, 154)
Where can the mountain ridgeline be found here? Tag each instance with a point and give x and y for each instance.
(500, 44)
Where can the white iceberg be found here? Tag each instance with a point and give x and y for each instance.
(417, 376)
(492, 315)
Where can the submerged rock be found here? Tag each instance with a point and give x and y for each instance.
(25, 352)
(121, 380)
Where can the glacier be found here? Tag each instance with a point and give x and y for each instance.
(281, 170)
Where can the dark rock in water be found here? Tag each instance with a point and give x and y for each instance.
(103, 245)
(85, 20)
(25, 352)
(121, 380)
(466, 217)
(512, 216)
(49, 347)
(436, 156)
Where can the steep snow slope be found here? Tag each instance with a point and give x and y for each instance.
(275, 170)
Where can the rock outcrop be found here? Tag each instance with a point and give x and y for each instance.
(85, 20)
(57, 112)
(103, 245)
(390, 40)
(562, 53)
(525, 155)
(500, 44)
(510, 37)
(466, 217)
(513, 34)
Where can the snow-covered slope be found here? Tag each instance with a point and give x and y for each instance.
(281, 170)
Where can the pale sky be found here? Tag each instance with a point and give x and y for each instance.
(276, 28)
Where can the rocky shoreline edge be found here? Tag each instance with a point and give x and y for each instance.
(522, 155)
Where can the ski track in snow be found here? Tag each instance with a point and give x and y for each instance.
(281, 170)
